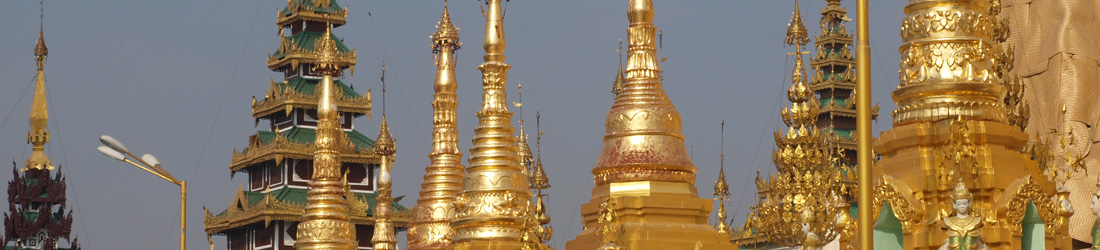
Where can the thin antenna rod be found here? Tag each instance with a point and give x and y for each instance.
(383, 87)
(722, 155)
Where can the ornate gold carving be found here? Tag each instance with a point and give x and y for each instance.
(810, 182)
(1019, 194)
(900, 198)
(435, 207)
(929, 23)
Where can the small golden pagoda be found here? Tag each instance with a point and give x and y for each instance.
(958, 124)
(808, 192)
(644, 168)
(495, 199)
(430, 227)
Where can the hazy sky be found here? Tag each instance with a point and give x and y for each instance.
(176, 78)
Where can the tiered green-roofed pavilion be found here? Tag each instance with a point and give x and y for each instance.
(279, 159)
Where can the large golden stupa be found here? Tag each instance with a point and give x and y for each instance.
(644, 168)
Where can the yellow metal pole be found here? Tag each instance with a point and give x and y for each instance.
(863, 125)
(183, 215)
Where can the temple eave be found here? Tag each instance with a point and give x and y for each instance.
(267, 107)
(281, 148)
(337, 20)
(296, 58)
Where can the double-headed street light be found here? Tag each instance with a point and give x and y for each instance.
(114, 149)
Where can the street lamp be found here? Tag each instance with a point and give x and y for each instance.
(114, 149)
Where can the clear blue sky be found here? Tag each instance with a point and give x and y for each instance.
(175, 79)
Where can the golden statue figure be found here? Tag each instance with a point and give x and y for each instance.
(1096, 211)
(963, 229)
(812, 241)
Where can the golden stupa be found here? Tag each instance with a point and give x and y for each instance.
(495, 200)
(644, 171)
(958, 123)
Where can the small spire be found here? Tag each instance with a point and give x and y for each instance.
(526, 158)
(721, 188)
(384, 145)
(40, 50)
(539, 180)
(617, 87)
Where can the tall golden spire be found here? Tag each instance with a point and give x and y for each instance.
(384, 237)
(495, 198)
(644, 166)
(430, 227)
(38, 136)
(325, 223)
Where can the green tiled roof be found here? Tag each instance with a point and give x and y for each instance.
(332, 7)
(838, 101)
(845, 133)
(309, 86)
(306, 39)
(305, 135)
(298, 196)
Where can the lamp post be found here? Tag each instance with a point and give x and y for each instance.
(114, 149)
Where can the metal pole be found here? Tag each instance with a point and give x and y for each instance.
(863, 126)
(183, 215)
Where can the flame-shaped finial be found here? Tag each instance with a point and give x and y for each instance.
(796, 29)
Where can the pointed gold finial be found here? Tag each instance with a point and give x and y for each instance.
(38, 136)
(446, 34)
(443, 177)
(326, 224)
(796, 29)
